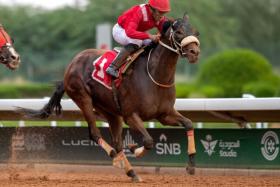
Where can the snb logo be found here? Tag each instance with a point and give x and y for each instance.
(270, 145)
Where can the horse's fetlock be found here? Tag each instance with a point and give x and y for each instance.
(113, 153)
(192, 160)
(188, 125)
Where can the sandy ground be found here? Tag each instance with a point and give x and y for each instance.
(81, 175)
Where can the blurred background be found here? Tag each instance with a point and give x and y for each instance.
(240, 44)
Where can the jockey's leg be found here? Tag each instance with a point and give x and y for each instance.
(135, 122)
(174, 118)
(120, 59)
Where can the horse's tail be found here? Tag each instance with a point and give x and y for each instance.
(52, 105)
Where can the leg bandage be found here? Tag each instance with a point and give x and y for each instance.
(191, 142)
(102, 143)
(139, 152)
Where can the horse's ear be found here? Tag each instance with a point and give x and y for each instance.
(166, 26)
(186, 17)
(195, 32)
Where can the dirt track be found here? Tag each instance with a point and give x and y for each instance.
(78, 175)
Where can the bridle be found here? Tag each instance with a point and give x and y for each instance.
(153, 80)
(176, 47)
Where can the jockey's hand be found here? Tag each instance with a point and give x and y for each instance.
(155, 37)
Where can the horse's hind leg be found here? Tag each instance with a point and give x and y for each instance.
(120, 160)
(174, 118)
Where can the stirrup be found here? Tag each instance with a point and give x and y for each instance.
(114, 73)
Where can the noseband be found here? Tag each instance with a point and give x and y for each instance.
(177, 47)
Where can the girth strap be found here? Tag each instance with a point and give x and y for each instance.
(115, 96)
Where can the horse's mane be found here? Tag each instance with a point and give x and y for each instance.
(166, 26)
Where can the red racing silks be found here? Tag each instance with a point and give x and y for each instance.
(4, 37)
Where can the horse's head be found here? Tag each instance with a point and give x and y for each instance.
(183, 38)
(8, 55)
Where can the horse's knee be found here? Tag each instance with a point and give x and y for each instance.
(148, 144)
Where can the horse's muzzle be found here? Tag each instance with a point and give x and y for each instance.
(192, 53)
(13, 62)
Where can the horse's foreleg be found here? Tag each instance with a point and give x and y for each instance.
(120, 160)
(84, 102)
(176, 119)
(135, 122)
(115, 128)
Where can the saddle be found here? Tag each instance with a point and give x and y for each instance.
(131, 58)
(102, 63)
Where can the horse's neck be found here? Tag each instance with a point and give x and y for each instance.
(162, 65)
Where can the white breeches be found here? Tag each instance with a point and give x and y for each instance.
(120, 36)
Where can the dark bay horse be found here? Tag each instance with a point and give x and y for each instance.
(8, 55)
(147, 92)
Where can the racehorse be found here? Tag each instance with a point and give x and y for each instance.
(147, 92)
(8, 55)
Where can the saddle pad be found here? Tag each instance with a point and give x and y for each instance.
(99, 72)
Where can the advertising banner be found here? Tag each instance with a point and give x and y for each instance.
(216, 148)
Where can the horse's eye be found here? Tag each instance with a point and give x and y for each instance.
(180, 32)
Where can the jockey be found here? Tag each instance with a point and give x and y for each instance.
(131, 29)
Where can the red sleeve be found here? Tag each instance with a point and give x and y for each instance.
(133, 33)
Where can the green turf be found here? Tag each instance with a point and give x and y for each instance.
(100, 124)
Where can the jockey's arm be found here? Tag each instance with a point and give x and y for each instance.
(133, 33)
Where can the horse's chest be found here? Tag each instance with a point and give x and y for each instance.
(147, 99)
(154, 107)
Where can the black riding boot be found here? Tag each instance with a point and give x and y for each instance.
(120, 59)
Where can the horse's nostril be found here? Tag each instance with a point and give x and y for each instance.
(15, 57)
(192, 51)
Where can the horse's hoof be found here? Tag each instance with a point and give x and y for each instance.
(132, 147)
(191, 165)
(190, 170)
(136, 178)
